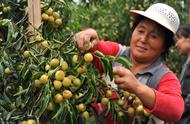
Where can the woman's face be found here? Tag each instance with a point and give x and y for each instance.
(183, 44)
(147, 41)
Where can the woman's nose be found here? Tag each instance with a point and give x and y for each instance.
(143, 38)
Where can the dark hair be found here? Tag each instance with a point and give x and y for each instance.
(169, 36)
(184, 31)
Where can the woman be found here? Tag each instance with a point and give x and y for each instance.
(148, 78)
(183, 45)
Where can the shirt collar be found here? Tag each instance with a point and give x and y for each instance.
(151, 69)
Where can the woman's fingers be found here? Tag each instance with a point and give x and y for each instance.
(86, 39)
(121, 71)
(119, 80)
(82, 39)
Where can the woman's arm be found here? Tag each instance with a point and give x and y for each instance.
(166, 102)
(169, 103)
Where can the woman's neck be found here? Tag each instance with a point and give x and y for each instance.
(138, 66)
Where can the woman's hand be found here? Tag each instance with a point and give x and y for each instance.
(125, 79)
(86, 39)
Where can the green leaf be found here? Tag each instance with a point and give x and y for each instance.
(61, 110)
(10, 114)
(1, 71)
(87, 97)
(73, 114)
(6, 22)
(105, 64)
(99, 54)
(37, 75)
(110, 70)
(110, 58)
(6, 98)
(21, 92)
(43, 106)
(108, 108)
(123, 60)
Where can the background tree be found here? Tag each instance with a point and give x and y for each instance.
(31, 61)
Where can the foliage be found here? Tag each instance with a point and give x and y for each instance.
(28, 89)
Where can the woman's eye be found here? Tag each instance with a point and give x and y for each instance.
(140, 31)
(154, 36)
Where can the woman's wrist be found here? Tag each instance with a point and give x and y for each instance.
(146, 95)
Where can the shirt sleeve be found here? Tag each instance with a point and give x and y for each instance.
(107, 48)
(169, 104)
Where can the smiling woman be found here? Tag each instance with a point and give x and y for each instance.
(147, 42)
(148, 78)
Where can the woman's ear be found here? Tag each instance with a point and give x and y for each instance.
(188, 39)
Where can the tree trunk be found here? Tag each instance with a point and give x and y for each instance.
(34, 15)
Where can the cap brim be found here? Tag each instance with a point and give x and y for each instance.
(134, 13)
(155, 18)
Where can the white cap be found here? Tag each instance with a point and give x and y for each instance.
(162, 14)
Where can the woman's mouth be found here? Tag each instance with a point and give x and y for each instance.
(141, 49)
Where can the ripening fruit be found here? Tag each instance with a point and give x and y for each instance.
(44, 79)
(54, 63)
(26, 54)
(139, 110)
(85, 115)
(104, 101)
(56, 15)
(77, 82)
(13, 105)
(120, 102)
(49, 11)
(64, 66)
(59, 75)
(37, 83)
(50, 106)
(126, 94)
(81, 107)
(146, 114)
(88, 46)
(50, 73)
(19, 67)
(67, 28)
(131, 111)
(88, 57)
(71, 77)
(57, 84)
(75, 59)
(120, 113)
(108, 93)
(44, 44)
(38, 37)
(67, 94)
(23, 122)
(47, 67)
(45, 16)
(58, 98)
(133, 95)
(8, 89)
(58, 22)
(51, 19)
(66, 82)
(31, 121)
(8, 71)
(136, 102)
(5, 10)
(81, 69)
